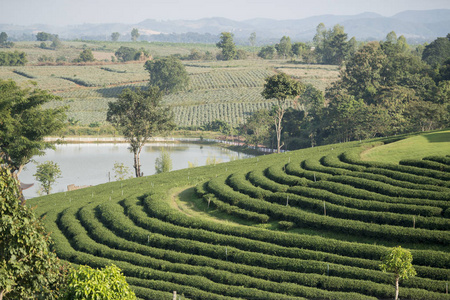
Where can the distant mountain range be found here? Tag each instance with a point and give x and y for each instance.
(416, 26)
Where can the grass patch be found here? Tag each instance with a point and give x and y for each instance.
(435, 143)
(186, 200)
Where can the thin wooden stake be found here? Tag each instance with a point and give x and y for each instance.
(414, 222)
(314, 176)
(174, 295)
(324, 209)
(287, 200)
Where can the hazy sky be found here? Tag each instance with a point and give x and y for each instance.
(64, 12)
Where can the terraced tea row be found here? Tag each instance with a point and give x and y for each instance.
(312, 233)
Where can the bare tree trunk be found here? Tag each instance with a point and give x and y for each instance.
(137, 162)
(396, 287)
(279, 117)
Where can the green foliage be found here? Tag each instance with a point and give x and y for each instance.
(115, 36)
(128, 53)
(134, 34)
(107, 283)
(3, 38)
(284, 47)
(85, 56)
(44, 36)
(437, 51)
(28, 269)
(121, 172)
(163, 163)
(332, 46)
(46, 174)
(227, 45)
(281, 87)
(168, 73)
(25, 123)
(267, 52)
(15, 58)
(139, 115)
(399, 262)
(219, 126)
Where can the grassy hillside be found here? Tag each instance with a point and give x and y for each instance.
(312, 223)
(226, 90)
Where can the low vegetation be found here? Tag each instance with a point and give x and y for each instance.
(313, 223)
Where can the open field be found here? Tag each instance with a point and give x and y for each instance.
(231, 90)
(307, 224)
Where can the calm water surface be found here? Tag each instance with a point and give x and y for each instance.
(92, 164)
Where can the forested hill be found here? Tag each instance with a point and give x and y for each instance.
(416, 26)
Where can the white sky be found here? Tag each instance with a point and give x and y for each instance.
(64, 12)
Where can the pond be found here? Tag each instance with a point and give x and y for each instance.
(92, 164)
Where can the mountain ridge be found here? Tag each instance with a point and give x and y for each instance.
(416, 26)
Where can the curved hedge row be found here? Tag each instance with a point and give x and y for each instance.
(310, 220)
(425, 164)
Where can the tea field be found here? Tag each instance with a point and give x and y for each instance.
(306, 224)
(228, 90)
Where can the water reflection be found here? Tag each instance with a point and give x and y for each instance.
(92, 164)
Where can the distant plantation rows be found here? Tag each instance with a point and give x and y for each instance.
(86, 89)
(317, 223)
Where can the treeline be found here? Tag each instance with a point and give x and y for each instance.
(384, 89)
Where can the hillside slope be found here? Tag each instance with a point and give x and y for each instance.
(307, 224)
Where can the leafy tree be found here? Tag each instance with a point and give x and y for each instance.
(134, 34)
(219, 126)
(121, 172)
(167, 73)
(3, 38)
(284, 47)
(241, 54)
(127, 54)
(267, 52)
(15, 58)
(391, 37)
(331, 45)
(437, 51)
(399, 262)
(46, 174)
(93, 284)
(85, 56)
(298, 49)
(115, 36)
(252, 39)
(44, 36)
(139, 115)
(28, 269)
(24, 123)
(56, 43)
(256, 129)
(227, 45)
(163, 163)
(195, 55)
(282, 88)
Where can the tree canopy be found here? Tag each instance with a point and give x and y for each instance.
(115, 36)
(134, 34)
(24, 123)
(104, 284)
(399, 262)
(437, 51)
(85, 56)
(281, 87)
(28, 269)
(227, 45)
(331, 45)
(47, 173)
(167, 73)
(139, 115)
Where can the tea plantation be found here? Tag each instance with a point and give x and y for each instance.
(307, 224)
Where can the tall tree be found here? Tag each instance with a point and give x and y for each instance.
(437, 52)
(139, 115)
(3, 38)
(331, 45)
(115, 36)
(134, 34)
(85, 56)
(28, 269)
(167, 73)
(399, 262)
(282, 88)
(46, 174)
(24, 123)
(284, 46)
(227, 45)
